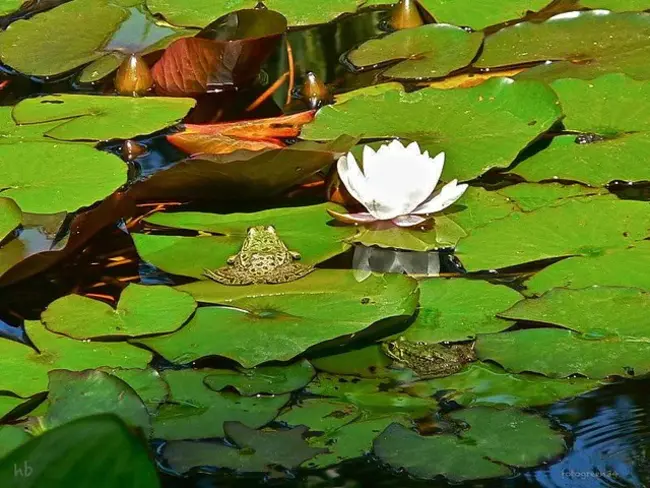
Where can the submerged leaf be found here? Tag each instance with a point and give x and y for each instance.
(10, 217)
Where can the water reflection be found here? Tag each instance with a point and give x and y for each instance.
(367, 260)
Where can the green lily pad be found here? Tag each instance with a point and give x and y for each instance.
(478, 128)
(278, 322)
(73, 395)
(584, 45)
(147, 383)
(10, 217)
(258, 451)
(61, 457)
(620, 267)
(9, 403)
(307, 230)
(478, 16)
(195, 412)
(56, 47)
(369, 362)
(601, 311)
(12, 133)
(264, 379)
(24, 371)
(495, 440)
(99, 118)
(50, 178)
(142, 310)
(457, 309)
(321, 415)
(297, 12)
(9, 6)
(11, 437)
(565, 229)
(370, 91)
(531, 196)
(561, 353)
(617, 5)
(428, 51)
(483, 384)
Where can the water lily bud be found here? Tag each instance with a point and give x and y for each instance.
(406, 15)
(132, 150)
(314, 91)
(133, 77)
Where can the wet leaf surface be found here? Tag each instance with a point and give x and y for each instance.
(494, 440)
(478, 128)
(368, 361)
(11, 437)
(429, 51)
(142, 310)
(531, 196)
(10, 217)
(63, 456)
(147, 383)
(194, 411)
(278, 322)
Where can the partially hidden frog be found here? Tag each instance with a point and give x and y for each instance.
(430, 360)
(263, 258)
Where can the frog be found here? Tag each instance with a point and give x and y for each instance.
(263, 259)
(429, 360)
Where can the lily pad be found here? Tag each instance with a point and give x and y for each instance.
(561, 353)
(264, 379)
(24, 371)
(309, 231)
(9, 6)
(457, 309)
(620, 267)
(11, 437)
(483, 384)
(99, 118)
(583, 44)
(598, 311)
(429, 51)
(142, 310)
(617, 5)
(279, 322)
(72, 396)
(368, 362)
(478, 128)
(50, 178)
(196, 412)
(479, 16)
(10, 217)
(61, 457)
(56, 47)
(321, 415)
(258, 451)
(147, 383)
(531, 196)
(596, 164)
(495, 441)
(564, 229)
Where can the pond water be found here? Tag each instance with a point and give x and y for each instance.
(502, 342)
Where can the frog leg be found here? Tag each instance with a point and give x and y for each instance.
(288, 272)
(231, 259)
(229, 276)
(295, 255)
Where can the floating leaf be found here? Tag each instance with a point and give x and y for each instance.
(72, 396)
(228, 53)
(369, 362)
(242, 175)
(279, 322)
(429, 51)
(495, 440)
(321, 415)
(98, 118)
(48, 178)
(11, 437)
(483, 384)
(263, 379)
(142, 310)
(258, 451)
(252, 135)
(531, 196)
(24, 371)
(10, 217)
(606, 270)
(478, 128)
(306, 230)
(565, 229)
(369, 91)
(624, 312)
(561, 353)
(147, 383)
(616, 5)
(61, 457)
(458, 309)
(583, 44)
(196, 412)
(9, 6)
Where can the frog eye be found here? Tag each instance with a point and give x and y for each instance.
(271, 229)
(251, 231)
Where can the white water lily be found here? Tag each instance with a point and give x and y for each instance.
(397, 185)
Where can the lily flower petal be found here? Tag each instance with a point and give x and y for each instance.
(408, 220)
(352, 218)
(451, 192)
(353, 179)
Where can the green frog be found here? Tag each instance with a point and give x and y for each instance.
(263, 258)
(430, 360)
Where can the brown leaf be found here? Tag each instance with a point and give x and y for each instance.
(252, 135)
